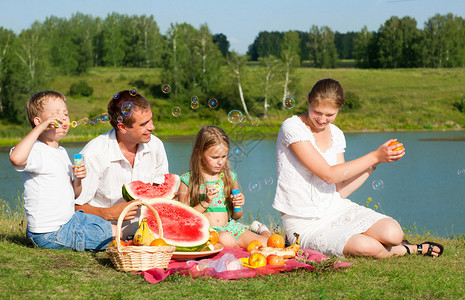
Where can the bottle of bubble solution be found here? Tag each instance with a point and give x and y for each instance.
(234, 193)
(77, 160)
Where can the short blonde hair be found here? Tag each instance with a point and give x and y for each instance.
(36, 104)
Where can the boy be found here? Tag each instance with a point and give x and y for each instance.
(51, 183)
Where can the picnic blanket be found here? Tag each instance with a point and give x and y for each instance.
(189, 268)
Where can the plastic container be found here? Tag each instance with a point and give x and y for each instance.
(235, 192)
(77, 159)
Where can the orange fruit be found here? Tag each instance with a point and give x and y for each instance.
(113, 243)
(254, 245)
(275, 241)
(158, 242)
(395, 143)
(275, 260)
(257, 260)
(214, 237)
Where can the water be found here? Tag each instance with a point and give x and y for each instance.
(424, 191)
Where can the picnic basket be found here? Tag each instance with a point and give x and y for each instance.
(139, 258)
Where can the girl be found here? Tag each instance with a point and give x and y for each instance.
(208, 188)
(314, 181)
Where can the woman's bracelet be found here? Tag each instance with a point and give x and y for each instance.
(372, 168)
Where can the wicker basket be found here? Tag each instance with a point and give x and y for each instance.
(139, 258)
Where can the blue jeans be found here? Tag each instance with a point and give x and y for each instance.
(82, 232)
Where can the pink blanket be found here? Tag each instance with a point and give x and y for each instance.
(156, 275)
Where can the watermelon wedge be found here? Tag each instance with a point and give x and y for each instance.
(183, 226)
(143, 191)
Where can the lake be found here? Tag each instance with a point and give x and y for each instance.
(424, 191)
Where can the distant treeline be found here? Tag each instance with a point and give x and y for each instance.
(197, 62)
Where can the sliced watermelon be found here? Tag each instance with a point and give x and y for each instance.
(143, 191)
(183, 226)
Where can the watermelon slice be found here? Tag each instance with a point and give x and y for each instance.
(143, 191)
(183, 226)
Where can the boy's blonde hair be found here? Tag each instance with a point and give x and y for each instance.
(36, 104)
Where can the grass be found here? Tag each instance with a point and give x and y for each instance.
(28, 272)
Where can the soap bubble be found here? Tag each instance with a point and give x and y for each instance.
(289, 102)
(104, 118)
(255, 122)
(237, 151)
(235, 116)
(116, 96)
(194, 99)
(127, 108)
(269, 180)
(176, 111)
(74, 124)
(195, 104)
(133, 92)
(213, 103)
(119, 119)
(377, 184)
(460, 171)
(255, 186)
(166, 88)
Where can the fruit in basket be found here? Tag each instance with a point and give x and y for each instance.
(143, 236)
(253, 245)
(275, 260)
(158, 242)
(275, 241)
(182, 225)
(113, 244)
(142, 191)
(257, 260)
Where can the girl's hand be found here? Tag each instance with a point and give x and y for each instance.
(386, 153)
(79, 171)
(212, 192)
(238, 200)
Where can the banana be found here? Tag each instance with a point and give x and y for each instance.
(144, 235)
(295, 247)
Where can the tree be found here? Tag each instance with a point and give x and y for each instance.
(321, 47)
(236, 64)
(7, 37)
(113, 42)
(272, 65)
(362, 48)
(290, 57)
(344, 43)
(266, 43)
(222, 42)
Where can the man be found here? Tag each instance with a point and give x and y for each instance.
(126, 153)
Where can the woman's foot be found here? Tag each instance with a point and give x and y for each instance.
(426, 248)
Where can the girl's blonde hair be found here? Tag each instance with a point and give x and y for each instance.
(207, 137)
(327, 90)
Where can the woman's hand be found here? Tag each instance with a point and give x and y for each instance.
(386, 153)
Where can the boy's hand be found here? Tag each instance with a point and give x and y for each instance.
(80, 171)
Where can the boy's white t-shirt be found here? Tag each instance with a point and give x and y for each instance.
(48, 190)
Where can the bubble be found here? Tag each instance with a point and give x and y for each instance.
(133, 92)
(243, 119)
(166, 88)
(104, 118)
(195, 104)
(237, 151)
(97, 119)
(127, 108)
(289, 102)
(255, 186)
(119, 119)
(116, 96)
(235, 116)
(176, 111)
(460, 171)
(194, 99)
(269, 180)
(213, 103)
(255, 122)
(377, 184)
(74, 124)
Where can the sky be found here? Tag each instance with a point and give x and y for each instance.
(241, 21)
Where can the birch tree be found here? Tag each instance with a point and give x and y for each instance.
(236, 65)
(272, 65)
(290, 57)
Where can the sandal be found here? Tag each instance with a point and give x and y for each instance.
(430, 248)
